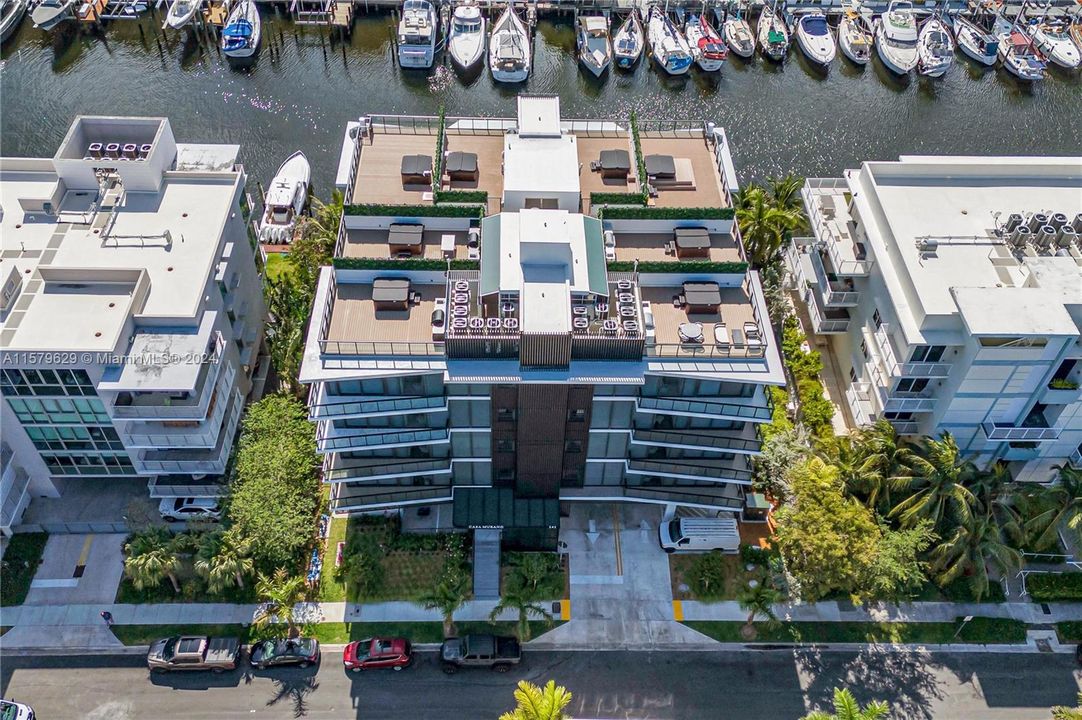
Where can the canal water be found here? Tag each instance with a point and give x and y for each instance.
(303, 87)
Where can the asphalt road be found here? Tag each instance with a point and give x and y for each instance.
(777, 685)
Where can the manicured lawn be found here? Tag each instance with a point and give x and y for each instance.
(278, 264)
(979, 630)
(21, 560)
(682, 570)
(337, 633)
(1070, 631)
(330, 590)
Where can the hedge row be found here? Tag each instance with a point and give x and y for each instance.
(680, 266)
(640, 161)
(453, 211)
(472, 197)
(665, 213)
(616, 198)
(816, 412)
(404, 264)
(1048, 587)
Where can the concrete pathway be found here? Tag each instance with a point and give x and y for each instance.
(1030, 613)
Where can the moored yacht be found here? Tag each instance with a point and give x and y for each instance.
(977, 43)
(1053, 39)
(855, 37)
(594, 46)
(11, 14)
(814, 38)
(466, 43)
(243, 31)
(706, 45)
(417, 34)
(628, 42)
(181, 13)
(896, 37)
(667, 46)
(738, 35)
(773, 34)
(285, 200)
(509, 49)
(1017, 52)
(47, 14)
(935, 48)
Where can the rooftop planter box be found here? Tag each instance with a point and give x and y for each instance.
(408, 211)
(598, 199)
(465, 197)
(404, 264)
(667, 213)
(683, 267)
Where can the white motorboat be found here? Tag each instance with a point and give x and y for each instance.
(243, 31)
(628, 42)
(466, 41)
(935, 48)
(592, 40)
(773, 35)
(978, 44)
(667, 46)
(1017, 52)
(855, 38)
(47, 14)
(707, 47)
(11, 14)
(814, 38)
(896, 37)
(181, 13)
(417, 34)
(509, 49)
(285, 200)
(1053, 39)
(738, 35)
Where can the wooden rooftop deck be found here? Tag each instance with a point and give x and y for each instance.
(379, 173)
(354, 316)
(735, 310)
(708, 188)
(373, 244)
(651, 246)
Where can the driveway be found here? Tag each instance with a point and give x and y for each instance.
(620, 591)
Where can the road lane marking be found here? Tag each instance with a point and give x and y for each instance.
(80, 566)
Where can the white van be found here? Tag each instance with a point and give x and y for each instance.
(699, 535)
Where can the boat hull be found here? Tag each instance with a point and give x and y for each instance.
(625, 62)
(709, 64)
(1062, 53)
(510, 76)
(46, 18)
(817, 53)
(731, 31)
(415, 56)
(968, 38)
(674, 66)
(12, 20)
(595, 69)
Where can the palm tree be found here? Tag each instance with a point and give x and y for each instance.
(1062, 712)
(968, 551)
(225, 559)
(448, 595)
(764, 226)
(758, 601)
(151, 558)
(998, 494)
(887, 461)
(846, 707)
(941, 478)
(536, 703)
(523, 601)
(847, 454)
(785, 191)
(280, 593)
(1060, 505)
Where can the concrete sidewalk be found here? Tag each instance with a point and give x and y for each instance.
(1029, 613)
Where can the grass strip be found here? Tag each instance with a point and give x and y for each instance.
(1069, 631)
(978, 630)
(21, 560)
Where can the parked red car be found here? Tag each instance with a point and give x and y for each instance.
(376, 653)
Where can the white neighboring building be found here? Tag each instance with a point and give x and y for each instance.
(132, 311)
(950, 290)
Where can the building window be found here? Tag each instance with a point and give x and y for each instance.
(505, 474)
(571, 478)
(506, 414)
(927, 353)
(902, 416)
(576, 415)
(573, 446)
(505, 446)
(864, 349)
(877, 319)
(995, 342)
(852, 374)
(913, 385)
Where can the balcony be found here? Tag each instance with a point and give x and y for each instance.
(1075, 460)
(692, 470)
(714, 497)
(897, 401)
(330, 440)
(825, 321)
(1061, 393)
(826, 201)
(702, 408)
(905, 427)
(378, 408)
(169, 486)
(889, 359)
(720, 441)
(157, 435)
(859, 396)
(835, 293)
(361, 498)
(1003, 431)
(337, 470)
(164, 406)
(195, 462)
(15, 495)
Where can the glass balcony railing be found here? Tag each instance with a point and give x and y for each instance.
(753, 413)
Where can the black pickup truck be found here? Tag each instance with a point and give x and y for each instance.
(489, 651)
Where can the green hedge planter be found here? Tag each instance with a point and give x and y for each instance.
(451, 211)
(680, 266)
(473, 197)
(659, 213)
(1052, 587)
(603, 198)
(404, 264)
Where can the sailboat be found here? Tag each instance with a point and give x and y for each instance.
(47, 14)
(592, 39)
(738, 35)
(935, 48)
(855, 38)
(243, 31)
(11, 14)
(668, 47)
(773, 34)
(628, 42)
(814, 38)
(896, 37)
(466, 43)
(181, 13)
(509, 49)
(977, 43)
(706, 45)
(1017, 52)
(285, 199)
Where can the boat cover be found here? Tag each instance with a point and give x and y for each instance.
(774, 36)
(238, 29)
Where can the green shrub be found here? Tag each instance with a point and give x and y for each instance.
(404, 264)
(21, 560)
(680, 266)
(1063, 384)
(640, 159)
(453, 211)
(1070, 631)
(461, 196)
(707, 576)
(779, 414)
(611, 212)
(754, 555)
(961, 591)
(1049, 587)
(437, 166)
(613, 198)
(361, 567)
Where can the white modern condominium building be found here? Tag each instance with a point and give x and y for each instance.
(132, 311)
(950, 291)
